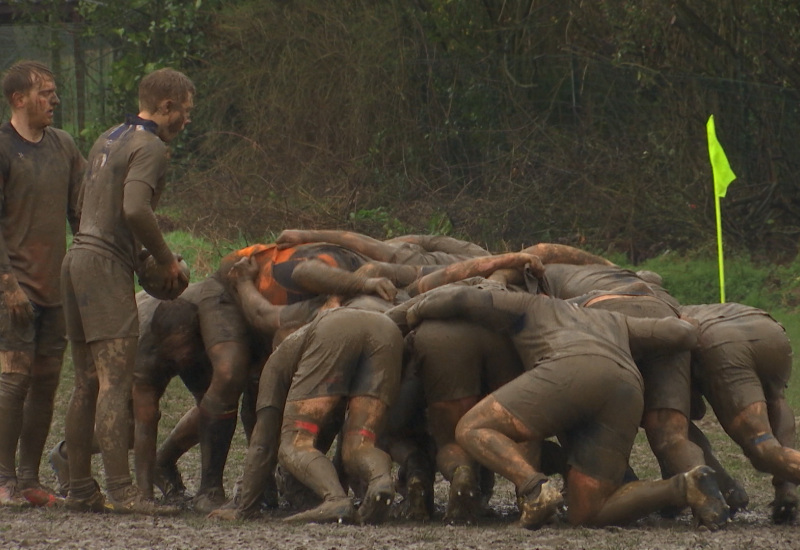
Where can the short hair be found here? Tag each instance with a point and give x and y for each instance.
(175, 317)
(22, 75)
(163, 84)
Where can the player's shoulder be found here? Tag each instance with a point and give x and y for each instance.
(63, 138)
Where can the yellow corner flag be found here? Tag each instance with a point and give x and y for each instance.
(723, 175)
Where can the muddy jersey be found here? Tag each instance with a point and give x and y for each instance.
(732, 314)
(129, 152)
(567, 281)
(744, 356)
(274, 280)
(544, 328)
(39, 188)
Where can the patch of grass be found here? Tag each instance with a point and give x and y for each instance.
(201, 254)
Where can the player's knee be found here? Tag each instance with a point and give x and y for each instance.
(226, 386)
(465, 431)
(665, 428)
(762, 451)
(14, 386)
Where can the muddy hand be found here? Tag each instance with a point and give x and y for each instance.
(289, 238)
(381, 286)
(535, 266)
(16, 301)
(225, 514)
(175, 280)
(245, 269)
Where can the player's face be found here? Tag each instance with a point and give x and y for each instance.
(178, 118)
(40, 103)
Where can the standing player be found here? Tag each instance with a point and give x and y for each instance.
(123, 183)
(40, 175)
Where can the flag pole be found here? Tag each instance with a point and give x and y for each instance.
(723, 176)
(719, 252)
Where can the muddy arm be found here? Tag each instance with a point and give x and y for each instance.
(477, 267)
(401, 275)
(563, 254)
(320, 278)
(75, 194)
(462, 302)
(260, 313)
(442, 243)
(369, 247)
(15, 300)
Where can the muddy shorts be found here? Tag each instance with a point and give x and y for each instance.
(349, 352)
(220, 318)
(753, 364)
(44, 335)
(99, 299)
(591, 403)
(413, 254)
(458, 359)
(667, 375)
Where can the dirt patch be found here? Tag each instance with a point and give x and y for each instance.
(59, 529)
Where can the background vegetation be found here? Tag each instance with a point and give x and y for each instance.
(505, 122)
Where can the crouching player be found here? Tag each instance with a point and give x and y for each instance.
(345, 364)
(743, 364)
(581, 385)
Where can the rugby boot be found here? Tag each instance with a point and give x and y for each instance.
(209, 500)
(38, 494)
(11, 497)
(269, 498)
(375, 505)
(415, 484)
(539, 505)
(417, 503)
(736, 497)
(167, 478)
(94, 503)
(297, 495)
(463, 502)
(784, 507)
(130, 501)
(704, 497)
(486, 483)
(60, 466)
(334, 510)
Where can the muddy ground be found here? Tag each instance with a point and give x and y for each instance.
(59, 529)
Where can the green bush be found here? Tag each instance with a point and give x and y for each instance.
(694, 279)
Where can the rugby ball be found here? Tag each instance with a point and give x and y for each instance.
(151, 279)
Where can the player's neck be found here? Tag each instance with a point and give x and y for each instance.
(23, 127)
